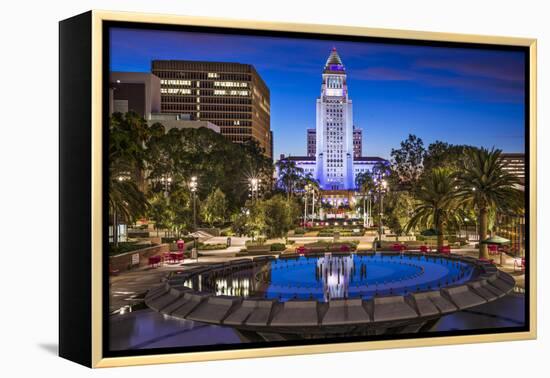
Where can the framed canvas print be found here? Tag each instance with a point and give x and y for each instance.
(235, 189)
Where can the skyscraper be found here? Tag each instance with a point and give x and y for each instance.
(334, 128)
(311, 142)
(232, 96)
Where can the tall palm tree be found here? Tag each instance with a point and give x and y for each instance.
(485, 186)
(437, 202)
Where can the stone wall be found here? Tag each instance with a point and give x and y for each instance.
(127, 261)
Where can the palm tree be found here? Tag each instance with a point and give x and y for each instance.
(486, 186)
(437, 202)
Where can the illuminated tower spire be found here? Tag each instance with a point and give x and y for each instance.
(334, 128)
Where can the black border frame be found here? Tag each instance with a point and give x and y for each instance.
(107, 25)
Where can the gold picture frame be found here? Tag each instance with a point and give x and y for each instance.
(97, 19)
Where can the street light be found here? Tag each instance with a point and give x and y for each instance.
(382, 186)
(306, 191)
(254, 187)
(166, 182)
(193, 186)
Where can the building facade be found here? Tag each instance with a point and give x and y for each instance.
(514, 163)
(232, 96)
(335, 147)
(334, 128)
(134, 91)
(357, 142)
(311, 142)
(179, 121)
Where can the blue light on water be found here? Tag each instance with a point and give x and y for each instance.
(331, 277)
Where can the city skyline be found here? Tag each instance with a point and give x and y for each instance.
(460, 96)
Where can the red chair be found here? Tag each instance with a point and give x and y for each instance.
(424, 248)
(396, 247)
(344, 248)
(154, 261)
(519, 265)
(493, 249)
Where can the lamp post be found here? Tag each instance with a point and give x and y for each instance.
(381, 185)
(313, 204)
(254, 187)
(166, 182)
(193, 187)
(306, 191)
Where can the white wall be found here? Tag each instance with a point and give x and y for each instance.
(28, 149)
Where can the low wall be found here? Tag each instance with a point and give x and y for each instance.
(134, 259)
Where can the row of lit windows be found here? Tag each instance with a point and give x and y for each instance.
(223, 92)
(233, 100)
(230, 84)
(190, 75)
(175, 91)
(175, 82)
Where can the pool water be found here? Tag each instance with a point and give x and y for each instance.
(345, 276)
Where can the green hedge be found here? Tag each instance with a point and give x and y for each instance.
(278, 247)
(210, 247)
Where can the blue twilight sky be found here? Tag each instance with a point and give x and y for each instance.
(460, 96)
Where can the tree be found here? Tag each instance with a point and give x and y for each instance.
(127, 201)
(407, 161)
(159, 212)
(397, 210)
(436, 202)
(289, 175)
(485, 185)
(214, 207)
(441, 154)
(279, 214)
(181, 207)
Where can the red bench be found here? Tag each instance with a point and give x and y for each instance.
(301, 249)
(446, 250)
(397, 247)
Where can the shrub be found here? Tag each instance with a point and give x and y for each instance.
(429, 232)
(277, 247)
(209, 247)
(299, 231)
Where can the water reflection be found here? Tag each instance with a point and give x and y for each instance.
(332, 276)
(334, 272)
